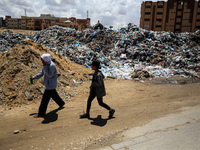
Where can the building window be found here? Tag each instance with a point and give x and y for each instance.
(198, 27)
(158, 26)
(178, 23)
(148, 7)
(159, 13)
(158, 19)
(160, 7)
(178, 16)
(179, 9)
(198, 20)
(147, 13)
(37, 23)
(146, 19)
(198, 13)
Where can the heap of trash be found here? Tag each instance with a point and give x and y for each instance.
(162, 54)
(124, 51)
(8, 39)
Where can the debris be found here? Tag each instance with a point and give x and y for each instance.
(120, 50)
(16, 131)
(16, 67)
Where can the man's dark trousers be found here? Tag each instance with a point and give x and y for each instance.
(45, 100)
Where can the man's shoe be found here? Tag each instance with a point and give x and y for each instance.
(111, 113)
(61, 107)
(39, 116)
(84, 116)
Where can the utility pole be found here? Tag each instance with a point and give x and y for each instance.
(87, 14)
(25, 11)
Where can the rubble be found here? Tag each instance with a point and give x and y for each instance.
(23, 60)
(141, 74)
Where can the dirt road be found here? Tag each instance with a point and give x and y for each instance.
(135, 103)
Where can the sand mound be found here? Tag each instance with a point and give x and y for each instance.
(23, 60)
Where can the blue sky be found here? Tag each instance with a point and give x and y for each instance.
(117, 13)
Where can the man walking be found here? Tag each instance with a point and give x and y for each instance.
(49, 72)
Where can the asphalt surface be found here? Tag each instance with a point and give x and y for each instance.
(175, 132)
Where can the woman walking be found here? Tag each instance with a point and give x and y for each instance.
(97, 89)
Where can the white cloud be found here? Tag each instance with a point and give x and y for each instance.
(117, 13)
(122, 11)
(23, 3)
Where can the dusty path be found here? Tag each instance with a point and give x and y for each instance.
(135, 103)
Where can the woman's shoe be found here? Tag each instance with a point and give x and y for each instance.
(111, 113)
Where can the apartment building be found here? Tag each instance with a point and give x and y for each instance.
(44, 21)
(174, 15)
(2, 22)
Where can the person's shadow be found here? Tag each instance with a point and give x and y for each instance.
(51, 116)
(99, 121)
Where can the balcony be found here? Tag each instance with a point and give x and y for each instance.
(198, 16)
(147, 9)
(159, 17)
(160, 9)
(158, 23)
(179, 13)
(148, 16)
(180, 6)
(197, 23)
(178, 26)
(178, 19)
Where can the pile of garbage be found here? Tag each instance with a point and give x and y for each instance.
(124, 50)
(162, 54)
(8, 39)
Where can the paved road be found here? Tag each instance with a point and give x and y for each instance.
(175, 132)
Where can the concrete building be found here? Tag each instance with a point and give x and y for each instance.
(2, 22)
(174, 15)
(45, 21)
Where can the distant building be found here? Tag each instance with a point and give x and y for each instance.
(45, 21)
(1, 22)
(174, 15)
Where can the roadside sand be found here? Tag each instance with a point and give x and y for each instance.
(135, 103)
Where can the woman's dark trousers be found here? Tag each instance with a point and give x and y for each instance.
(100, 101)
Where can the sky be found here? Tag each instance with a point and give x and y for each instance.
(116, 13)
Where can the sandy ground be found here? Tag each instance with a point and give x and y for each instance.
(135, 103)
